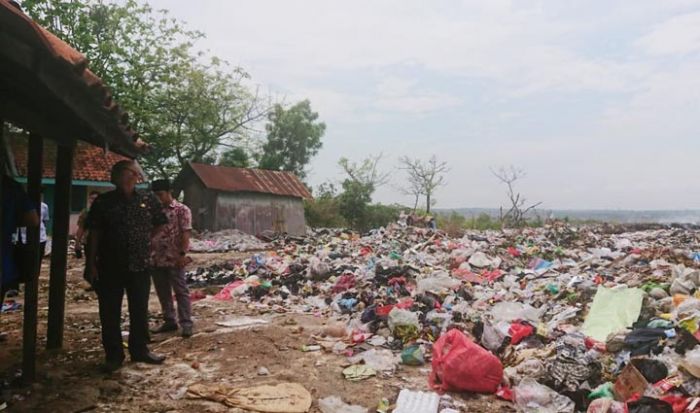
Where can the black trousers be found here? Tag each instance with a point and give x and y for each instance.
(110, 290)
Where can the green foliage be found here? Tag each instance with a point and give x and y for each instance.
(235, 157)
(379, 215)
(184, 108)
(353, 202)
(351, 208)
(324, 210)
(293, 138)
(483, 222)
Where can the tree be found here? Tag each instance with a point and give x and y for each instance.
(207, 109)
(423, 177)
(366, 172)
(516, 215)
(235, 157)
(184, 108)
(353, 202)
(293, 138)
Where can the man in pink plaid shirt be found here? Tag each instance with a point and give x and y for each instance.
(169, 247)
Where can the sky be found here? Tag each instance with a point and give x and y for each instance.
(597, 101)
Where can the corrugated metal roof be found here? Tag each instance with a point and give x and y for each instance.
(114, 128)
(222, 178)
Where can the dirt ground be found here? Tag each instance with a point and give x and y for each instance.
(70, 381)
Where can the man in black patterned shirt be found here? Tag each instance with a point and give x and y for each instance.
(121, 223)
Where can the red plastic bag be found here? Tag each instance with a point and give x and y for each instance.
(461, 365)
(225, 293)
(345, 282)
(518, 331)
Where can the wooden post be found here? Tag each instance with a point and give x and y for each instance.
(2, 177)
(59, 246)
(31, 292)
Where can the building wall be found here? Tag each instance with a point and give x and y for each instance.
(202, 203)
(254, 213)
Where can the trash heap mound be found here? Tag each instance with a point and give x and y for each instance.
(225, 241)
(554, 319)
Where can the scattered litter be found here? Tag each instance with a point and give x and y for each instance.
(579, 315)
(281, 398)
(612, 310)
(358, 372)
(241, 322)
(410, 401)
(334, 404)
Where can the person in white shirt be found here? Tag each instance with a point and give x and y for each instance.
(22, 238)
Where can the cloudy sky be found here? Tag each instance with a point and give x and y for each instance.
(599, 101)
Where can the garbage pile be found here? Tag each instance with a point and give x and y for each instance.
(554, 319)
(225, 241)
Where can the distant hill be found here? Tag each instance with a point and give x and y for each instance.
(614, 215)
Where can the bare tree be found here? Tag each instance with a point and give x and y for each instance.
(423, 177)
(414, 189)
(367, 172)
(516, 215)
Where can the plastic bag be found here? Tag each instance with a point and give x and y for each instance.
(226, 292)
(413, 356)
(645, 341)
(652, 370)
(461, 365)
(492, 337)
(532, 397)
(399, 317)
(319, 270)
(379, 360)
(612, 310)
(334, 404)
(606, 406)
(691, 363)
(511, 311)
(481, 260)
(438, 284)
(518, 331)
(649, 405)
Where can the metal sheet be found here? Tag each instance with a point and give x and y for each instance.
(227, 179)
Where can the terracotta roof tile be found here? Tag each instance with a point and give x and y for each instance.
(90, 163)
(116, 127)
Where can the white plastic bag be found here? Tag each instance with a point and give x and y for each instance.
(379, 360)
(692, 362)
(399, 317)
(334, 404)
(532, 397)
(438, 283)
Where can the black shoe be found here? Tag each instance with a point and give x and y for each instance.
(111, 366)
(187, 331)
(149, 358)
(165, 328)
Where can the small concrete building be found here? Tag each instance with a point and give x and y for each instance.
(250, 200)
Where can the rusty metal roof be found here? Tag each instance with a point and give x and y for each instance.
(222, 178)
(30, 80)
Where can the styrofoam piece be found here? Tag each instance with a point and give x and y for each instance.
(410, 401)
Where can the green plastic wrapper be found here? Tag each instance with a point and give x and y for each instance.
(612, 310)
(412, 356)
(605, 390)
